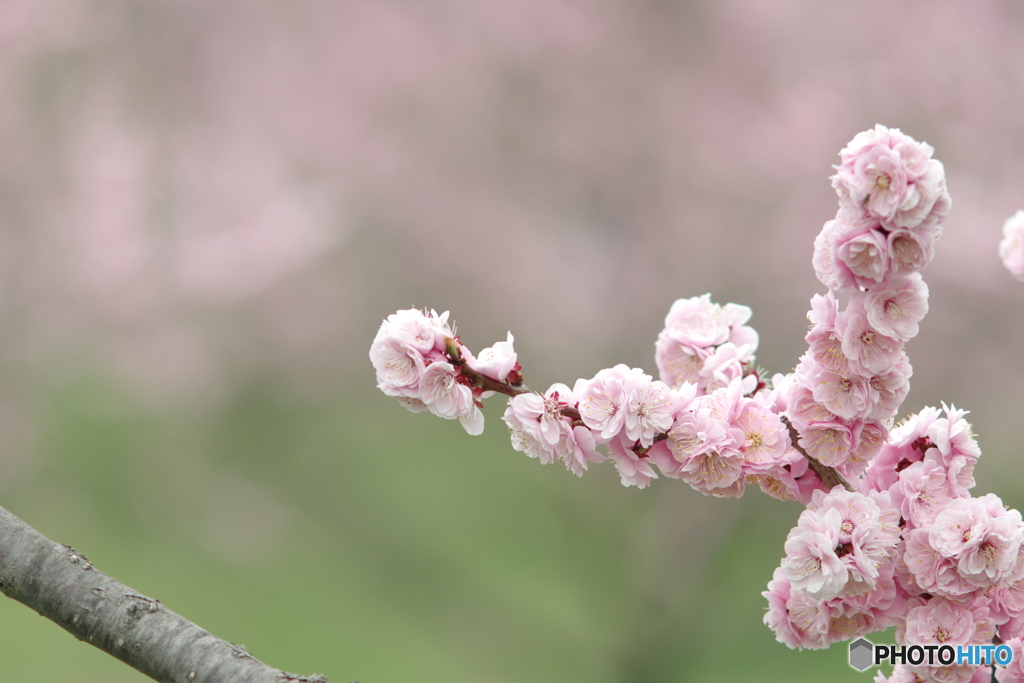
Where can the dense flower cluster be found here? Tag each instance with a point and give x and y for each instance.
(855, 375)
(891, 534)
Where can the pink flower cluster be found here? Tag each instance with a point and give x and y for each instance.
(411, 356)
(908, 547)
(715, 442)
(854, 376)
(837, 580)
(920, 554)
(706, 344)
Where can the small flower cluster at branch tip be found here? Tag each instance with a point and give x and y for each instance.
(1011, 248)
(421, 362)
(891, 535)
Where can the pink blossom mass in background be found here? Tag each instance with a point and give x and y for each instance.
(197, 196)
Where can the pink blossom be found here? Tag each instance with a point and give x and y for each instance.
(811, 564)
(931, 571)
(876, 179)
(952, 435)
(860, 515)
(896, 308)
(823, 258)
(532, 419)
(526, 437)
(496, 361)
(906, 444)
(826, 349)
(704, 451)
(602, 401)
(862, 608)
(802, 409)
(911, 250)
(1008, 597)
(939, 622)
(848, 396)
(857, 251)
(861, 258)
(423, 331)
(955, 450)
(575, 448)
(545, 411)
(869, 350)
(678, 363)
(868, 439)
(866, 530)
(828, 442)
(925, 198)
(823, 312)
(399, 366)
(699, 323)
(633, 469)
(782, 480)
(888, 391)
(537, 422)
(1011, 248)
(797, 619)
(725, 364)
(921, 493)
(445, 397)
(649, 407)
(765, 438)
(981, 535)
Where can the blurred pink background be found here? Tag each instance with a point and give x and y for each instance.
(191, 191)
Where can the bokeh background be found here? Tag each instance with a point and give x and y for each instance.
(206, 208)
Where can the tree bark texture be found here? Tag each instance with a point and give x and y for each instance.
(62, 585)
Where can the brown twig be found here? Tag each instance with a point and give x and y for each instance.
(829, 476)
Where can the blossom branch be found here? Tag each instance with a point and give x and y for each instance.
(906, 545)
(62, 585)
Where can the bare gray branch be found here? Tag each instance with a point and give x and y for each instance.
(62, 585)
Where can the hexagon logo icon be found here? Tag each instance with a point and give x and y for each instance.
(861, 651)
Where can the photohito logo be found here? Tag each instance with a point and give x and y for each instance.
(864, 653)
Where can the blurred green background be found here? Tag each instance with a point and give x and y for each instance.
(207, 208)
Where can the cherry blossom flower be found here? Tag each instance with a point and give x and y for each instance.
(811, 563)
(445, 396)
(798, 620)
(633, 469)
(870, 350)
(399, 366)
(896, 309)
(602, 401)
(1011, 248)
(495, 361)
(939, 622)
(649, 407)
